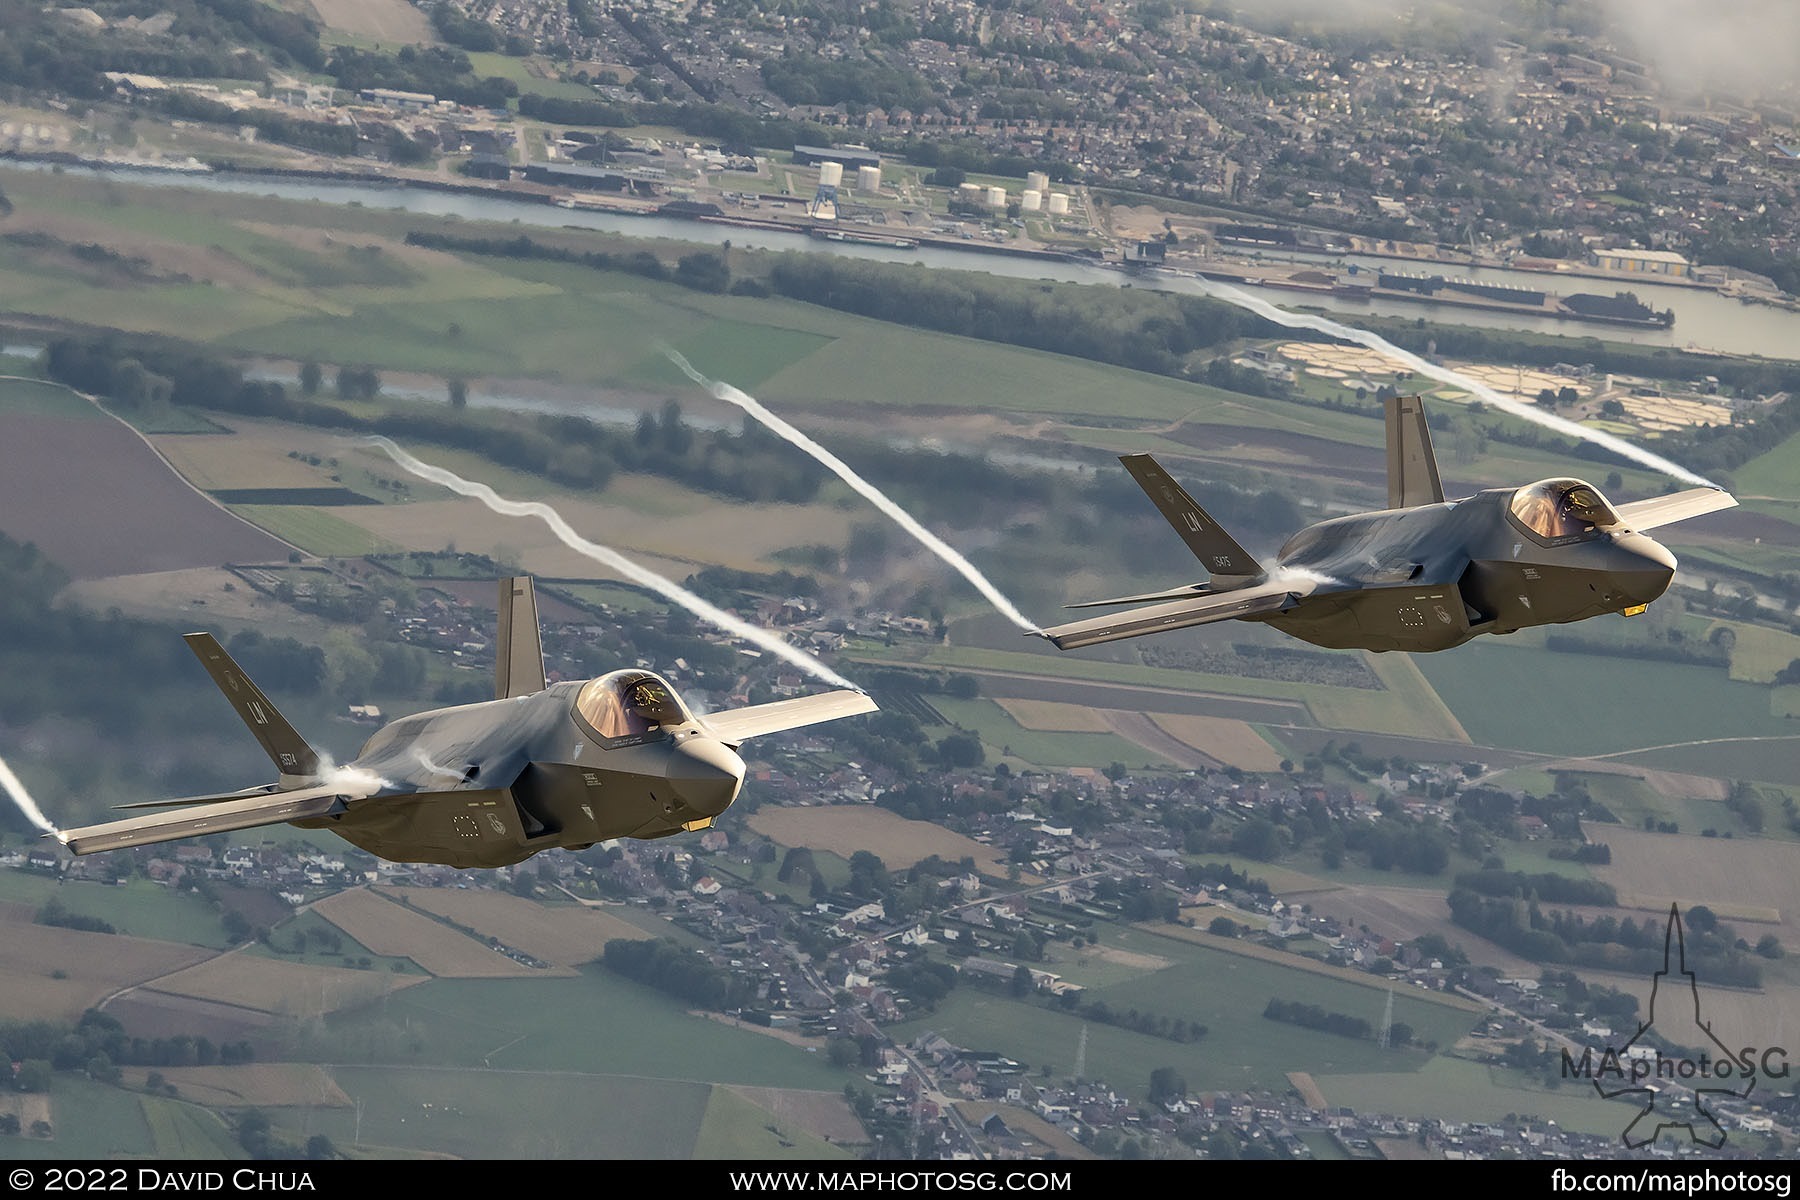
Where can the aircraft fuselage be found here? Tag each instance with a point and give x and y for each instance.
(1432, 577)
(490, 784)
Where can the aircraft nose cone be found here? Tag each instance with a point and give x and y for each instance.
(706, 775)
(1647, 569)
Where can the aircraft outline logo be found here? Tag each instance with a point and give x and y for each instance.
(1712, 1134)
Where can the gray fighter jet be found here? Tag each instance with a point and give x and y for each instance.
(1423, 574)
(490, 784)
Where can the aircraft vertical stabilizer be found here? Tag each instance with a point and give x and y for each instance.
(292, 756)
(1217, 550)
(519, 649)
(1411, 466)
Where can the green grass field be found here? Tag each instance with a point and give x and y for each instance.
(141, 909)
(479, 1113)
(488, 63)
(526, 1025)
(182, 1130)
(45, 399)
(734, 1128)
(1502, 690)
(89, 1121)
(305, 930)
(1409, 710)
(313, 530)
(1775, 472)
(482, 1114)
(1455, 1089)
(1225, 992)
(1772, 759)
(1632, 801)
(1005, 737)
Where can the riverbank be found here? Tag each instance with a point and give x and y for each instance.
(1705, 318)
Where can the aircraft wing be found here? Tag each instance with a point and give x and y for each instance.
(206, 815)
(1181, 593)
(1680, 506)
(1158, 618)
(738, 724)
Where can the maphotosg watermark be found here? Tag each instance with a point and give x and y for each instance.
(1612, 1067)
(1680, 1076)
(1681, 1183)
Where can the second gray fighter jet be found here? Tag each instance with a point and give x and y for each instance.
(1425, 573)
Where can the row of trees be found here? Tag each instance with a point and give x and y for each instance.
(1606, 942)
(98, 1045)
(667, 966)
(1548, 887)
(751, 465)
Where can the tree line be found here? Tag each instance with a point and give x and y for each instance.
(96, 1044)
(1606, 942)
(1549, 887)
(1141, 329)
(667, 966)
(566, 449)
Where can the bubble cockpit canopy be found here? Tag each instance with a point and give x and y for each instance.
(1561, 508)
(629, 704)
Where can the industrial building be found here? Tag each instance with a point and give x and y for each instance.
(1645, 262)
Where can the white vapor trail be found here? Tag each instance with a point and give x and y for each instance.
(608, 557)
(1518, 408)
(23, 799)
(352, 781)
(869, 492)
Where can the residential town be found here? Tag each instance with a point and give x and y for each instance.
(1088, 853)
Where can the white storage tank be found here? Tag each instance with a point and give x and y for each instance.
(1038, 182)
(996, 197)
(868, 179)
(970, 191)
(1031, 200)
(831, 173)
(1059, 203)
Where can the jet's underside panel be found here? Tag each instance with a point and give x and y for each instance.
(1392, 618)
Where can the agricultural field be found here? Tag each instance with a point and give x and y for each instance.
(571, 1024)
(1498, 692)
(564, 936)
(739, 536)
(391, 928)
(90, 1121)
(1053, 716)
(383, 20)
(551, 1115)
(254, 1085)
(52, 972)
(1455, 1089)
(1771, 758)
(1748, 877)
(138, 909)
(1006, 739)
(61, 479)
(180, 1129)
(313, 530)
(280, 988)
(1750, 883)
(845, 829)
(1773, 473)
(1233, 743)
(293, 280)
(1223, 991)
(1694, 804)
